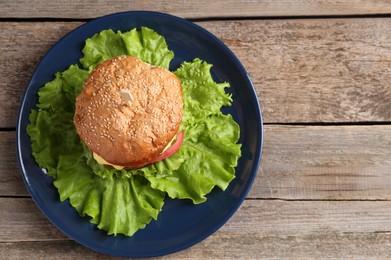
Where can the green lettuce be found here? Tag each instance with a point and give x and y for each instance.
(122, 201)
(211, 154)
(51, 130)
(145, 44)
(202, 95)
(117, 206)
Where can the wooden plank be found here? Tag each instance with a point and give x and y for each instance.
(185, 8)
(319, 162)
(333, 70)
(23, 221)
(22, 45)
(11, 182)
(250, 246)
(299, 162)
(260, 228)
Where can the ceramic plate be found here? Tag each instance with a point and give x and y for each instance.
(180, 224)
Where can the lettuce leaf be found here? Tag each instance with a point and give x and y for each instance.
(117, 205)
(149, 46)
(51, 129)
(211, 155)
(145, 44)
(121, 201)
(202, 95)
(60, 94)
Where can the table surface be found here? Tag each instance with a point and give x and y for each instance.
(322, 73)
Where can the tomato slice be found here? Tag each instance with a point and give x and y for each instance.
(167, 153)
(172, 149)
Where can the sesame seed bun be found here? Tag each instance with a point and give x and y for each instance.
(129, 111)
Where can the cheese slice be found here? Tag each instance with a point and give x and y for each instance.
(100, 160)
(169, 144)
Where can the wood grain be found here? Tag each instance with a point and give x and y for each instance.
(299, 162)
(323, 190)
(189, 9)
(332, 70)
(22, 45)
(325, 162)
(11, 182)
(23, 221)
(270, 228)
(219, 246)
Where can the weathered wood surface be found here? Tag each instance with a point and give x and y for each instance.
(11, 182)
(22, 221)
(299, 162)
(188, 9)
(323, 190)
(332, 245)
(315, 70)
(326, 163)
(321, 70)
(261, 228)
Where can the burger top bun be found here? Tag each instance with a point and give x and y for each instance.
(129, 111)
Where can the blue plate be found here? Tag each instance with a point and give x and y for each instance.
(180, 224)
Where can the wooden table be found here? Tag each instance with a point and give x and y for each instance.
(322, 72)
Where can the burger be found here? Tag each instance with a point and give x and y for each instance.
(129, 113)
